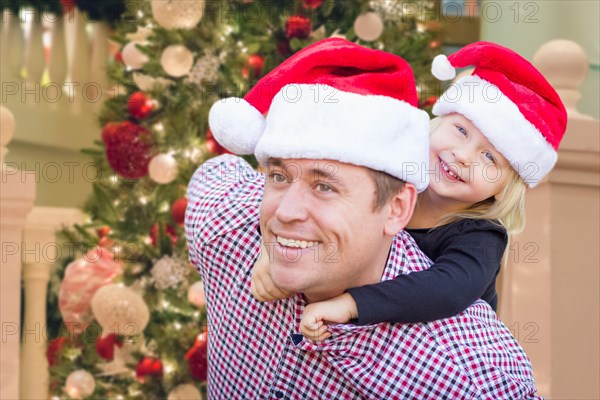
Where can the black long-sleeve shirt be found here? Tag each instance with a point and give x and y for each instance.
(467, 255)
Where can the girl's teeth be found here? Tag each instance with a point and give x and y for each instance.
(452, 174)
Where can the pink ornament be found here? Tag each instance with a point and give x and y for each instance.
(83, 277)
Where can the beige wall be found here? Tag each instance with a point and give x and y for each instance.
(534, 23)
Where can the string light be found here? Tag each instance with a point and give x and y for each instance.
(164, 206)
(159, 127)
(143, 200)
(168, 367)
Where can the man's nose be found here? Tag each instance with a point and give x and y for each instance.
(293, 207)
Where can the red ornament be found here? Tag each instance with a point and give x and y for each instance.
(214, 146)
(428, 102)
(197, 357)
(53, 351)
(119, 57)
(178, 210)
(434, 44)
(255, 63)
(103, 231)
(283, 48)
(109, 132)
(68, 5)
(129, 150)
(140, 106)
(148, 367)
(105, 346)
(297, 26)
(170, 232)
(312, 4)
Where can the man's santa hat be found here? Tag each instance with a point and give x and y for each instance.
(510, 101)
(333, 100)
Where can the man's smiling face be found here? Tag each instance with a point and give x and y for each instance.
(319, 224)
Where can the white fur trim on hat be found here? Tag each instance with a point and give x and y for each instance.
(442, 69)
(500, 120)
(321, 122)
(236, 125)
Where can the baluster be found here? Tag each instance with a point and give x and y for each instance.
(35, 61)
(57, 63)
(16, 200)
(40, 233)
(565, 65)
(14, 51)
(100, 55)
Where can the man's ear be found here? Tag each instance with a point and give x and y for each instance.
(401, 208)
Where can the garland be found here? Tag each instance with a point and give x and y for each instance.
(109, 11)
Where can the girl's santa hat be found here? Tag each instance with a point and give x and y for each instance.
(510, 101)
(333, 100)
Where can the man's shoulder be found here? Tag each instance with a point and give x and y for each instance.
(405, 257)
(225, 192)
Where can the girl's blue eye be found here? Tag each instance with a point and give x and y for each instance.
(461, 130)
(490, 156)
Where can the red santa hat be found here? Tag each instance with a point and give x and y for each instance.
(333, 100)
(510, 101)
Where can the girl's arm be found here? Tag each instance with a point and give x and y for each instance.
(464, 271)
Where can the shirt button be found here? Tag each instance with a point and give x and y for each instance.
(279, 394)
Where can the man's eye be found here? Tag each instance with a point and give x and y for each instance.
(323, 187)
(277, 177)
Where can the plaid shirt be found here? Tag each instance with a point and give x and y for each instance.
(256, 350)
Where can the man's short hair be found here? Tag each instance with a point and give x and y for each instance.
(386, 187)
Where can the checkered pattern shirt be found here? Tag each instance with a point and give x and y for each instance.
(256, 350)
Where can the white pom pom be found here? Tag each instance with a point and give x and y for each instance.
(442, 69)
(236, 125)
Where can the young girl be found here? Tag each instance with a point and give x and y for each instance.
(497, 133)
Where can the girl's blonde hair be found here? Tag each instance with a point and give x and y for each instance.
(507, 207)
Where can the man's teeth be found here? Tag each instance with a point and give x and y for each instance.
(449, 171)
(301, 244)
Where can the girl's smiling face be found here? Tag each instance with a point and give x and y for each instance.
(466, 168)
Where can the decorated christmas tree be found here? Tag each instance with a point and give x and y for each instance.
(128, 313)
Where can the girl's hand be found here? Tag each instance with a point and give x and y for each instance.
(262, 286)
(339, 310)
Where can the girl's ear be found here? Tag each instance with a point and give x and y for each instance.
(401, 207)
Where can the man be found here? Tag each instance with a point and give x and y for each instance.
(341, 137)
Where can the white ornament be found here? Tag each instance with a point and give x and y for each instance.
(80, 384)
(169, 272)
(368, 26)
(132, 56)
(206, 69)
(177, 14)
(177, 60)
(162, 168)
(196, 294)
(120, 310)
(185, 392)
